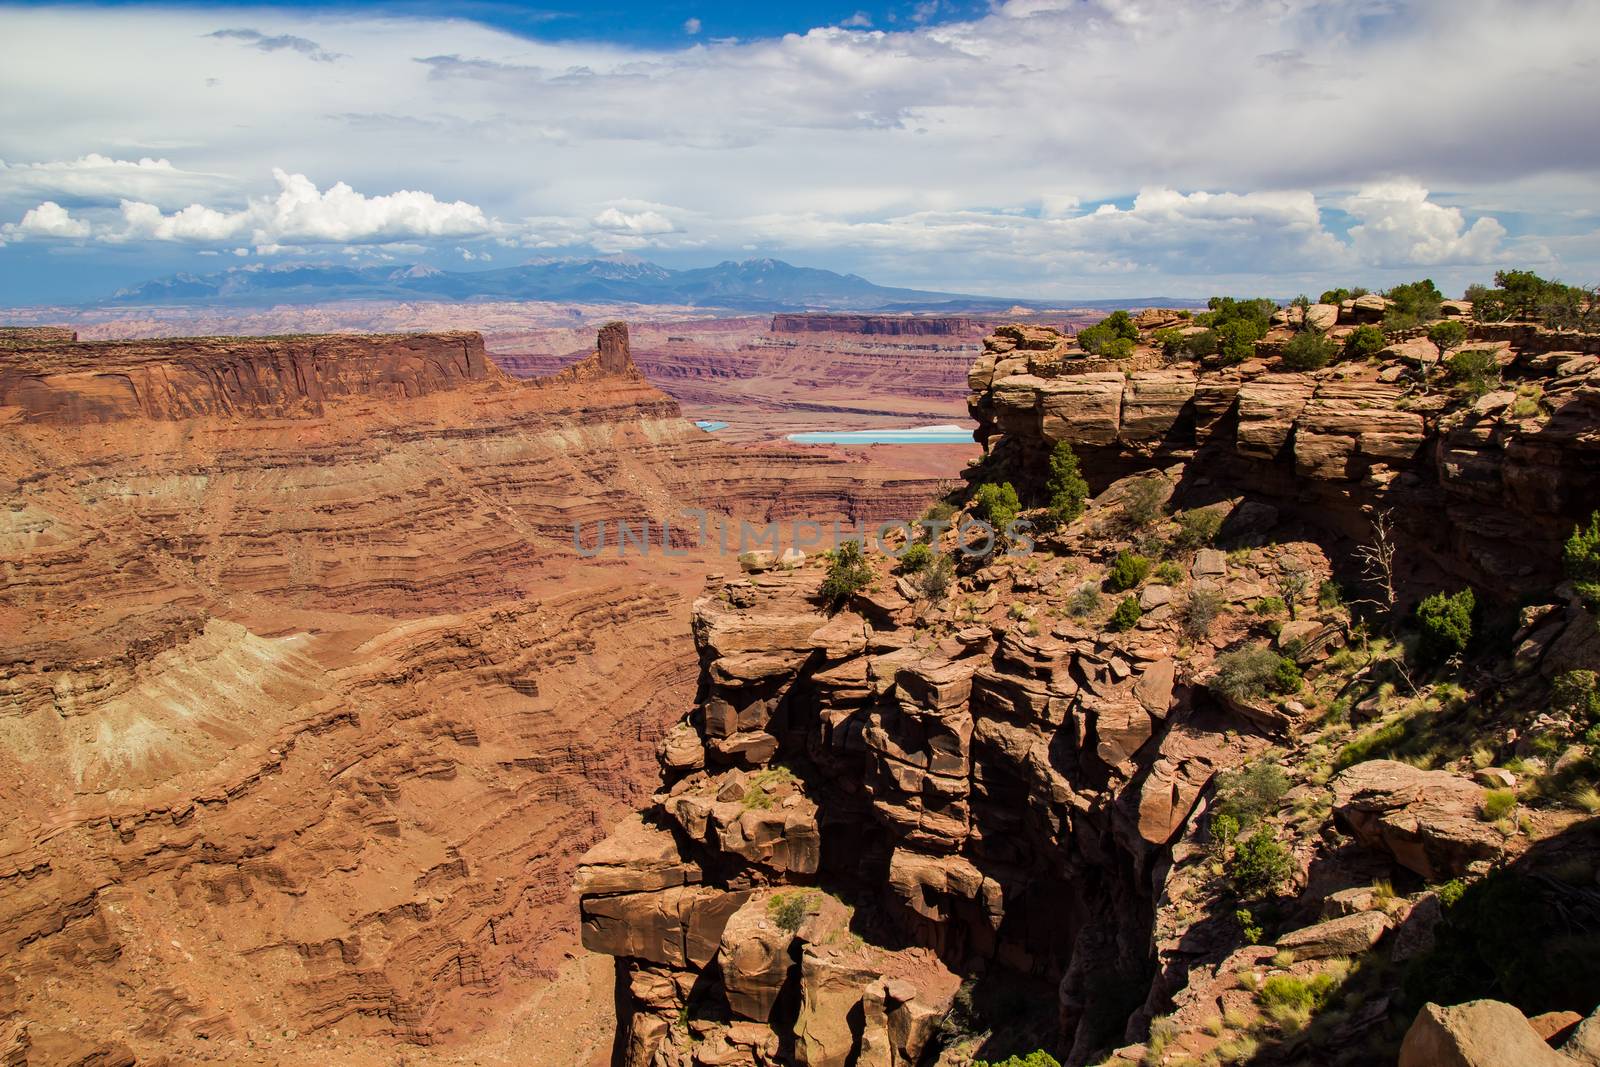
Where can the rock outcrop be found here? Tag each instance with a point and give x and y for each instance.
(1018, 786)
(1346, 440)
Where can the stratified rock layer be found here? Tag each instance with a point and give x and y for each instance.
(309, 704)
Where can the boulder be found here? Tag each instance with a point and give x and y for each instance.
(1322, 316)
(1210, 563)
(1085, 409)
(832, 985)
(1479, 1033)
(1368, 307)
(1153, 402)
(1417, 352)
(679, 927)
(681, 750)
(754, 958)
(1268, 408)
(1348, 935)
(1427, 820)
(635, 857)
(1153, 596)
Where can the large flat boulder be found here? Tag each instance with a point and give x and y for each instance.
(1479, 1033)
(1427, 820)
(1348, 935)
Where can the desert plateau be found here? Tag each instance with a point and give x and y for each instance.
(915, 533)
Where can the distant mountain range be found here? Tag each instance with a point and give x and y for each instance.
(752, 285)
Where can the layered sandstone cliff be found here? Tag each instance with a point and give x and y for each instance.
(963, 824)
(1489, 488)
(309, 704)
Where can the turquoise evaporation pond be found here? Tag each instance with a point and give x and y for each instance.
(921, 435)
(710, 425)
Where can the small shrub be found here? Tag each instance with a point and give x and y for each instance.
(1309, 350)
(915, 558)
(1127, 571)
(1167, 573)
(996, 503)
(1116, 348)
(1413, 304)
(939, 511)
(1065, 485)
(1247, 926)
(1364, 343)
(1037, 1058)
(1270, 605)
(848, 573)
(1199, 610)
(935, 579)
(1446, 623)
(1447, 334)
(1093, 339)
(1121, 324)
(1127, 615)
(1581, 557)
(1329, 594)
(1260, 864)
(1198, 528)
(1587, 799)
(1085, 600)
(790, 910)
(1497, 804)
(1141, 506)
(1253, 673)
(1249, 794)
(1578, 694)
(1224, 829)
(1172, 341)
(1474, 372)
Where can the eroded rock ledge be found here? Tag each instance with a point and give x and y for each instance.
(870, 813)
(1353, 435)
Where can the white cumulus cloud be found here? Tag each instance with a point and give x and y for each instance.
(49, 219)
(1398, 224)
(301, 214)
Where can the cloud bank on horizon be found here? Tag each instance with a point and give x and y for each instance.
(1043, 148)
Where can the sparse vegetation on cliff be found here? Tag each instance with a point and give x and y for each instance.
(1111, 338)
(848, 573)
(1127, 571)
(1237, 325)
(1254, 673)
(1309, 350)
(996, 504)
(1258, 866)
(1412, 304)
(1525, 296)
(1065, 485)
(1127, 615)
(1581, 558)
(1446, 625)
(1364, 342)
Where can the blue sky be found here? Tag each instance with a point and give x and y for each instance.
(1035, 148)
(642, 24)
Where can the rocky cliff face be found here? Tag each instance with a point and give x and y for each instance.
(1342, 440)
(879, 325)
(968, 824)
(309, 704)
(110, 381)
